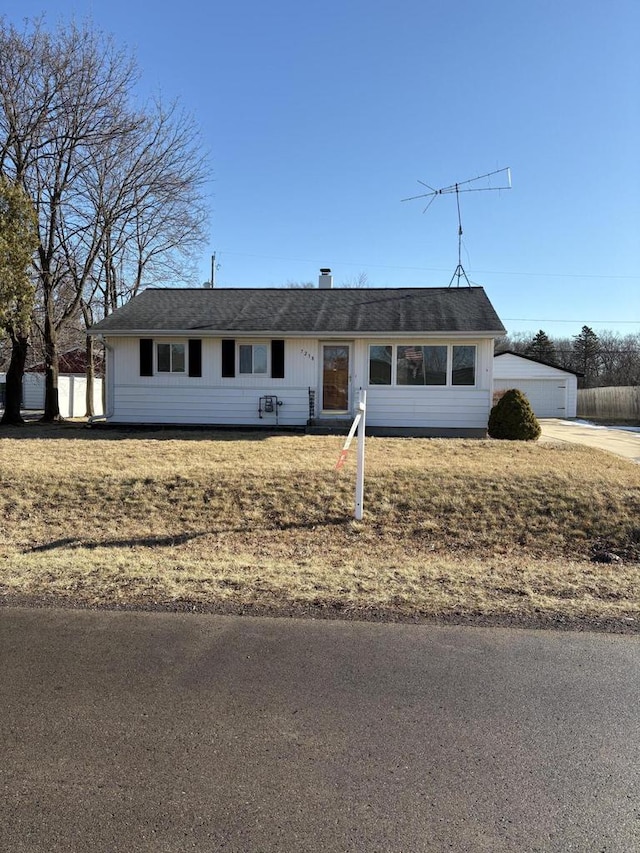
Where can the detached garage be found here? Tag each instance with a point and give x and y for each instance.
(551, 391)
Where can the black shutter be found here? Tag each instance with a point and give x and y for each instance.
(277, 359)
(228, 357)
(195, 357)
(146, 357)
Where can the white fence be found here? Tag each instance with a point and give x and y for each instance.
(615, 403)
(72, 391)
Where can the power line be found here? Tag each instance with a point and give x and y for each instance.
(548, 320)
(432, 269)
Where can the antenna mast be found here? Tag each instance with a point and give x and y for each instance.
(462, 187)
(214, 268)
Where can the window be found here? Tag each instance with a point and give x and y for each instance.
(413, 364)
(463, 370)
(421, 365)
(171, 358)
(380, 358)
(252, 358)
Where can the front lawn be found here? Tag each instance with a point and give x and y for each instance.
(453, 529)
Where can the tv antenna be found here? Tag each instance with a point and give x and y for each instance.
(462, 187)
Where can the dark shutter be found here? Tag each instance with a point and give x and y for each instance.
(228, 357)
(146, 357)
(277, 359)
(195, 357)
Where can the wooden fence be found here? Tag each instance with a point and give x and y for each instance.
(618, 403)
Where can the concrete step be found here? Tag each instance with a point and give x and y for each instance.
(329, 426)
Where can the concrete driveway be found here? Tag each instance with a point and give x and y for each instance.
(622, 442)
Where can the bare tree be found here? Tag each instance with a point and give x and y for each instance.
(515, 342)
(147, 195)
(619, 358)
(604, 359)
(358, 282)
(145, 190)
(116, 188)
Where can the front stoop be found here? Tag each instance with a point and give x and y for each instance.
(329, 426)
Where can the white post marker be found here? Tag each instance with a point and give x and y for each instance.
(358, 424)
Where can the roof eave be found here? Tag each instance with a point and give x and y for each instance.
(299, 333)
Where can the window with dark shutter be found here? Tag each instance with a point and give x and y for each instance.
(195, 357)
(146, 357)
(277, 359)
(228, 357)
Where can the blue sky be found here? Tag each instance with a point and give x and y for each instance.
(320, 117)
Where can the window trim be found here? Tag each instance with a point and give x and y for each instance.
(253, 344)
(473, 384)
(149, 360)
(388, 384)
(171, 371)
(394, 363)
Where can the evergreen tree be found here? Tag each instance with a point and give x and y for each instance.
(512, 418)
(586, 356)
(18, 242)
(542, 348)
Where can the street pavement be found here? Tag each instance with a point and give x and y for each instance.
(180, 732)
(622, 442)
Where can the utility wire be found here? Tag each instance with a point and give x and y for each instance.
(548, 320)
(432, 269)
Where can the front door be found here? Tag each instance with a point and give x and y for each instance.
(335, 378)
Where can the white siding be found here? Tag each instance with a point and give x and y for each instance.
(180, 399)
(33, 391)
(552, 392)
(224, 406)
(438, 408)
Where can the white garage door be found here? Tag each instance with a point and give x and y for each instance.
(548, 397)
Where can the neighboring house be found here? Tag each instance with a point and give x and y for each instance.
(72, 385)
(296, 357)
(552, 391)
(73, 362)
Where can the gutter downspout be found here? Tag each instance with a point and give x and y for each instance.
(108, 397)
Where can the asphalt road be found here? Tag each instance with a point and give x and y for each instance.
(162, 732)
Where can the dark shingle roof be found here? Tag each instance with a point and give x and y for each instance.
(290, 310)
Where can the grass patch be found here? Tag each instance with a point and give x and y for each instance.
(452, 528)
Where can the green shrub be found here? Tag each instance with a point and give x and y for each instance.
(512, 418)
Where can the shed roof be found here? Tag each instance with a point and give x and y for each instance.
(291, 310)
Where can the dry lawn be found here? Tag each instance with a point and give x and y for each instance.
(453, 529)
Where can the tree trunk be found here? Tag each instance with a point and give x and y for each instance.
(51, 401)
(90, 377)
(13, 391)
